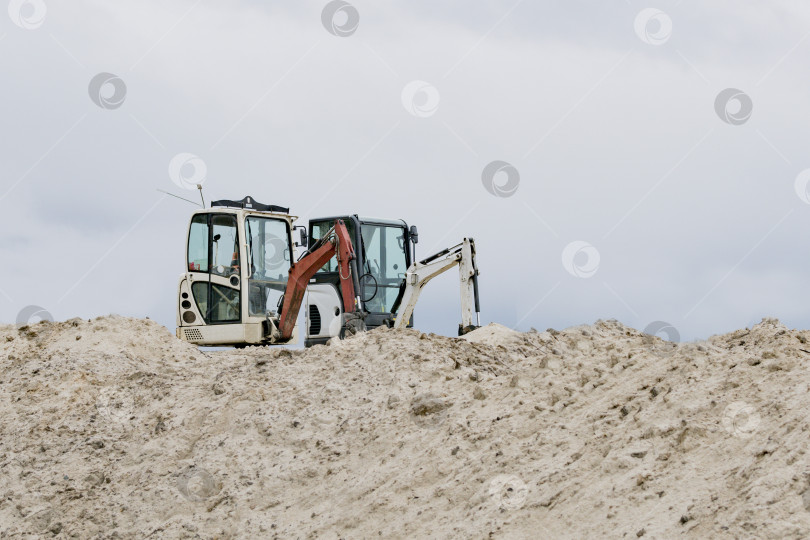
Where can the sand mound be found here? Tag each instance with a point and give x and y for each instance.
(493, 334)
(114, 429)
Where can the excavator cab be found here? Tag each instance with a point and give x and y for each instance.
(238, 258)
(384, 250)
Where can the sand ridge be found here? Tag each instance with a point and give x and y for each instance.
(112, 428)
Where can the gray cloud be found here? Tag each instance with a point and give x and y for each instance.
(605, 131)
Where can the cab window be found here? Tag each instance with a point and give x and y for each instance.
(198, 244)
(270, 254)
(319, 229)
(385, 260)
(224, 245)
(213, 248)
(217, 303)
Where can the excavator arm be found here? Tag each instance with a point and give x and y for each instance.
(420, 273)
(337, 242)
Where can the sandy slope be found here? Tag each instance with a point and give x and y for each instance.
(114, 429)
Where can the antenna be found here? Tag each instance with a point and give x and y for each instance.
(199, 187)
(181, 198)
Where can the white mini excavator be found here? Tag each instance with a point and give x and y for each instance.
(244, 286)
(391, 279)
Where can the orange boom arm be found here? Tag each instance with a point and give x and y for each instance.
(336, 242)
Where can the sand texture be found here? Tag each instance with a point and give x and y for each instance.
(112, 428)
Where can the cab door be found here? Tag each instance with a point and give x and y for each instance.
(214, 267)
(385, 258)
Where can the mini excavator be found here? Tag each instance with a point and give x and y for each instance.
(242, 285)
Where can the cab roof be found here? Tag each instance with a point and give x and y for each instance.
(249, 203)
(366, 219)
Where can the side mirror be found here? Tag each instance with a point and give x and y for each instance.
(414, 234)
(303, 237)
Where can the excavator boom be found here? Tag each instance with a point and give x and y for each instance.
(420, 273)
(336, 242)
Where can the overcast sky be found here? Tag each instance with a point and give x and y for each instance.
(632, 186)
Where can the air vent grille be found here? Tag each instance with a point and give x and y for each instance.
(192, 334)
(314, 320)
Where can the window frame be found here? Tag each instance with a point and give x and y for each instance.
(194, 219)
(221, 279)
(382, 289)
(249, 252)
